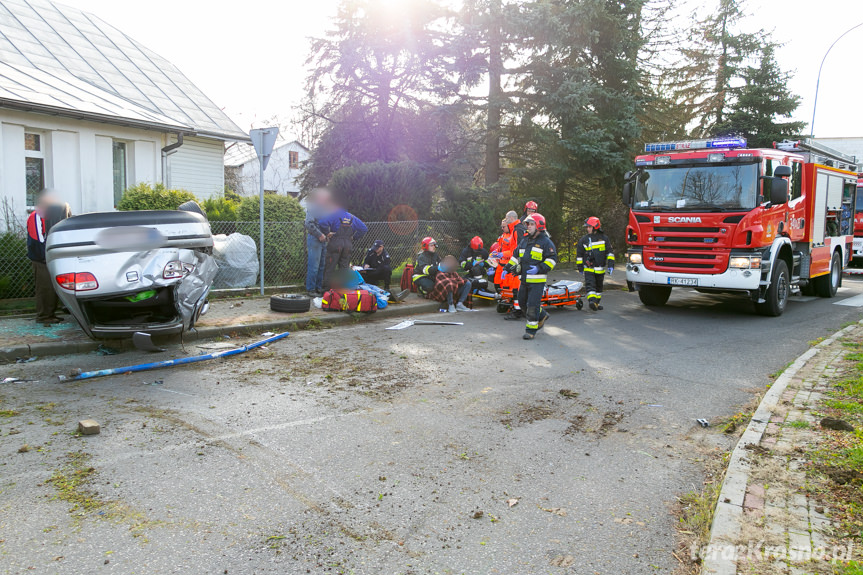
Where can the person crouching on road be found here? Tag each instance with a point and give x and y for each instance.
(426, 267)
(594, 257)
(343, 229)
(532, 260)
(450, 287)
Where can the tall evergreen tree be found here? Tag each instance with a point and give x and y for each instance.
(712, 58)
(761, 104)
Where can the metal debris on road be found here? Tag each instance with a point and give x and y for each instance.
(174, 362)
(409, 322)
(26, 359)
(268, 333)
(144, 342)
(105, 350)
(703, 422)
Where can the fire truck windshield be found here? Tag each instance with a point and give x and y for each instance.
(693, 187)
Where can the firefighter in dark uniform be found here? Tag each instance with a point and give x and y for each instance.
(594, 257)
(426, 267)
(532, 260)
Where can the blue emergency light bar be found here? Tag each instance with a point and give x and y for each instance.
(696, 145)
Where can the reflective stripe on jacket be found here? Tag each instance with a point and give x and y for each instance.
(538, 251)
(593, 251)
(426, 265)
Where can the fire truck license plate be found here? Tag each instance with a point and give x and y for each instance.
(682, 281)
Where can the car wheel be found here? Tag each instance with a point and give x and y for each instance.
(192, 206)
(290, 303)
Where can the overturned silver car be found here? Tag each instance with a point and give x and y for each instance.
(123, 272)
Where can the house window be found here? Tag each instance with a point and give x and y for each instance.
(293, 160)
(34, 167)
(119, 171)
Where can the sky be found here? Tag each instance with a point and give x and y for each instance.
(249, 56)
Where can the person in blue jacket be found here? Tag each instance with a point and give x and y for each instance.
(342, 228)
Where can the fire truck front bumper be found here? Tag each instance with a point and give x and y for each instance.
(742, 280)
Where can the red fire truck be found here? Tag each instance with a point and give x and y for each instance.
(857, 254)
(719, 217)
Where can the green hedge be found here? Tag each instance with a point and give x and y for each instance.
(158, 197)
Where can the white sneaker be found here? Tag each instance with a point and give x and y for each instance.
(451, 309)
(462, 307)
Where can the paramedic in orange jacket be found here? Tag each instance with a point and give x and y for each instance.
(507, 242)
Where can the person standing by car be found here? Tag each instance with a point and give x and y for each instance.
(377, 265)
(534, 258)
(594, 257)
(49, 212)
(317, 207)
(343, 229)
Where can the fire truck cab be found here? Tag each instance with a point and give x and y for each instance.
(717, 216)
(857, 254)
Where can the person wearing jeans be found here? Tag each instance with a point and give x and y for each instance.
(316, 241)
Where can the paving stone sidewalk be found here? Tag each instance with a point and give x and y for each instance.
(779, 529)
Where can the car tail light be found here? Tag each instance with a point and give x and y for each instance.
(177, 269)
(82, 281)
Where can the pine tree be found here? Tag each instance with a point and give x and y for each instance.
(712, 59)
(760, 104)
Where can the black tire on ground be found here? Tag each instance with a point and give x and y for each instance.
(776, 298)
(503, 307)
(826, 286)
(192, 206)
(654, 296)
(290, 303)
(579, 304)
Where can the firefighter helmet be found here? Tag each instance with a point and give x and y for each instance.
(427, 241)
(476, 243)
(531, 205)
(538, 219)
(593, 222)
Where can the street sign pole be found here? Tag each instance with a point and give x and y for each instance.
(261, 216)
(263, 139)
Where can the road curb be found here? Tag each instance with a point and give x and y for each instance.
(729, 508)
(51, 348)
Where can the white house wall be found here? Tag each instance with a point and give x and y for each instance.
(78, 159)
(279, 176)
(198, 166)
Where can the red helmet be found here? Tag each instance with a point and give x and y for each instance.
(593, 222)
(538, 219)
(531, 205)
(476, 243)
(495, 247)
(427, 241)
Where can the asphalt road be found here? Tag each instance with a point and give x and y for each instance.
(362, 450)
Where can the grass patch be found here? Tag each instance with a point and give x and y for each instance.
(842, 405)
(9, 413)
(798, 424)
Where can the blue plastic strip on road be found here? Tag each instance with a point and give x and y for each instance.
(178, 361)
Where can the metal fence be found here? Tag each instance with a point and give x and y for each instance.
(285, 247)
(16, 271)
(284, 252)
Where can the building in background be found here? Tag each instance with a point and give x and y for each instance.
(286, 164)
(850, 146)
(88, 111)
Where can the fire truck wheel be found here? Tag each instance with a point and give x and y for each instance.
(778, 292)
(654, 296)
(826, 286)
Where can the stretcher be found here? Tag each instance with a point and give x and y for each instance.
(560, 293)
